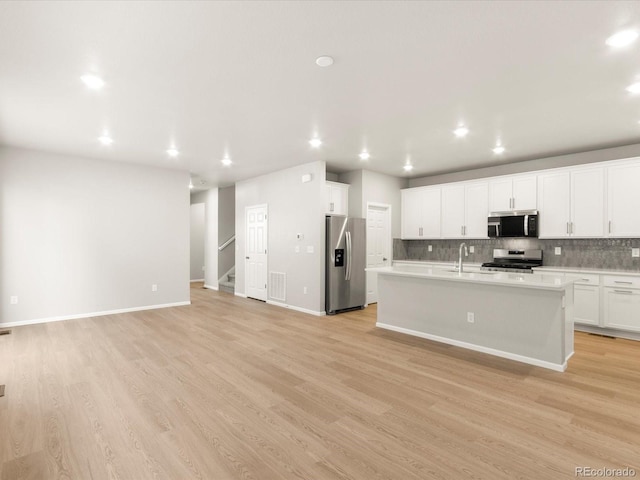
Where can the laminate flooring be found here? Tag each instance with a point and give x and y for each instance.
(232, 388)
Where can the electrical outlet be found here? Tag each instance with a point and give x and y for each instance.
(430, 248)
(154, 288)
(296, 249)
(471, 317)
(14, 300)
(304, 290)
(635, 252)
(558, 250)
(472, 249)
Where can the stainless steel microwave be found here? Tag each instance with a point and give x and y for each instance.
(513, 224)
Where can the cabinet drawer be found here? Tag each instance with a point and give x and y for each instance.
(622, 309)
(619, 281)
(586, 279)
(586, 304)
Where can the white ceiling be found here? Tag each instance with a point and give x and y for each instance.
(240, 77)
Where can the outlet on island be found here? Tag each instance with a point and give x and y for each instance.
(471, 317)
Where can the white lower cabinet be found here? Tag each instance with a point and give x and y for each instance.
(622, 303)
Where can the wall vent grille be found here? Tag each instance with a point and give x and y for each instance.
(277, 285)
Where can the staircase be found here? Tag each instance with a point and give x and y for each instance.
(228, 285)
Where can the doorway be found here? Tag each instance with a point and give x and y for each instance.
(256, 252)
(378, 244)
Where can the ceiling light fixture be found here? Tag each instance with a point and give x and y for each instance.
(461, 131)
(226, 161)
(92, 81)
(498, 149)
(324, 61)
(172, 152)
(315, 142)
(364, 155)
(634, 88)
(622, 39)
(105, 139)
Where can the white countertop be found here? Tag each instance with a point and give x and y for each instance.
(592, 271)
(545, 281)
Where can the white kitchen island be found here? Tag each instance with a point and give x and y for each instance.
(524, 317)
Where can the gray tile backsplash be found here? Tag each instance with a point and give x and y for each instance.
(609, 254)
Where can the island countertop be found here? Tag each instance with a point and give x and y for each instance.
(545, 281)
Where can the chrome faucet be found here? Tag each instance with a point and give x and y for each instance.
(466, 254)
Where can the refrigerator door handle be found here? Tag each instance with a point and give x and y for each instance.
(347, 270)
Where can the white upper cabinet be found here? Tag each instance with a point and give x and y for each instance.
(517, 192)
(337, 202)
(421, 213)
(465, 210)
(571, 203)
(623, 189)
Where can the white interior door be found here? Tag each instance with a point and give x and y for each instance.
(378, 245)
(256, 252)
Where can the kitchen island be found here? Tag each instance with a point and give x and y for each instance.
(525, 317)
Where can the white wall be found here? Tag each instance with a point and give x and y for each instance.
(197, 237)
(79, 236)
(226, 228)
(293, 207)
(211, 239)
(601, 155)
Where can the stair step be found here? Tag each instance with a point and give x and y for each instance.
(232, 277)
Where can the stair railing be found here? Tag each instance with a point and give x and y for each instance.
(227, 243)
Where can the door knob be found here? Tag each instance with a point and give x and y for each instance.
(247, 258)
(384, 259)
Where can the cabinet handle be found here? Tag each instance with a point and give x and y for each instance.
(420, 231)
(567, 227)
(609, 226)
(571, 232)
(625, 283)
(626, 292)
(465, 230)
(462, 230)
(585, 279)
(513, 202)
(331, 207)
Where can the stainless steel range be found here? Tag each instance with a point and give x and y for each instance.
(517, 261)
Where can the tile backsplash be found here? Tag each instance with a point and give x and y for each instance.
(600, 253)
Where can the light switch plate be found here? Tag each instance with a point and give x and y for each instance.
(558, 251)
(13, 300)
(430, 248)
(635, 252)
(296, 249)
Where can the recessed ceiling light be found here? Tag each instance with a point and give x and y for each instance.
(461, 131)
(498, 149)
(315, 142)
(408, 167)
(364, 155)
(92, 81)
(226, 161)
(634, 88)
(622, 39)
(105, 139)
(324, 61)
(172, 152)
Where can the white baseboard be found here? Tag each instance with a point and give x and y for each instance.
(210, 287)
(297, 309)
(478, 348)
(197, 280)
(609, 332)
(91, 314)
(238, 294)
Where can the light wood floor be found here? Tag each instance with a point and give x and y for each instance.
(230, 388)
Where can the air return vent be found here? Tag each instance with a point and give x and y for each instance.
(277, 285)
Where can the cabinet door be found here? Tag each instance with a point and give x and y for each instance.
(587, 203)
(554, 200)
(525, 193)
(586, 304)
(622, 309)
(476, 200)
(431, 211)
(624, 201)
(500, 195)
(453, 211)
(340, 198)
(412, 213)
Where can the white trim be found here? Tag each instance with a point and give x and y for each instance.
(92, 314)
(238, 294)
(197, 280)
(478, 348)
(246, 277)
(297, 309)
(211, 287)
(609, 332)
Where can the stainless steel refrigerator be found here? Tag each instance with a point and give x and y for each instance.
(346, 258)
